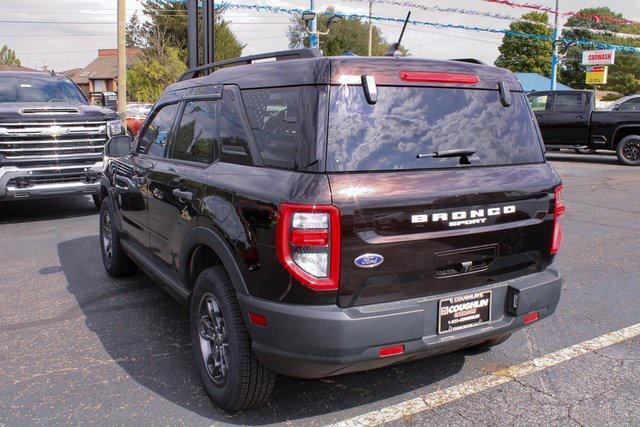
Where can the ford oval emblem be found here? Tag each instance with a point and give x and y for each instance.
(368, 260)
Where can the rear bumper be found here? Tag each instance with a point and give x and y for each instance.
(319, 341)
(44, 188)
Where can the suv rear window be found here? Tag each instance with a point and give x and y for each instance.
(407, 121)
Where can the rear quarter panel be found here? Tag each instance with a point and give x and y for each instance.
(242, 205)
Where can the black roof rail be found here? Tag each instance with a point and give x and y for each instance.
(244, 60)
(469, 60)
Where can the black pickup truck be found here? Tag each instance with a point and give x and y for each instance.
(51, 139)
(569, 120)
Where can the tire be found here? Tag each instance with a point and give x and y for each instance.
(115, 260)
(96, 200)
(236, 380)
(628, 150)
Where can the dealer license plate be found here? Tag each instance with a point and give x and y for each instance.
(464, 311)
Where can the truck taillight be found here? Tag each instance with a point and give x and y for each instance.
(308, 244)
(558, 211)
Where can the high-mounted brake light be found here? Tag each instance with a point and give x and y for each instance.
(308, 244)
(439, 77)
(558, 211)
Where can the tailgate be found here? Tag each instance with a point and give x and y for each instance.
(441, 231)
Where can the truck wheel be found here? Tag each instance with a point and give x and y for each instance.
(96, 200)
(628, 150)
(115, 260)
(230, 373)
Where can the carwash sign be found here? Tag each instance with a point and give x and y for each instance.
(598, 57)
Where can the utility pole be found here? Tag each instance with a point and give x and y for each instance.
(192, 32)
(313, 35)
(209, 30)
(122, 60)
(554, 58)
(370, 25)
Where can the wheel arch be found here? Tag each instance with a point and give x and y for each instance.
(203, 248)
(623, 131)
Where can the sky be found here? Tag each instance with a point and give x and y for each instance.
(47, 32)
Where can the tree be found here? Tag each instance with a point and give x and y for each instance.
(148, 77)
(345, 35)
(163, 37)
(135, 33)
(520, 54)
(170, 17)
(8, 56)
(624, 75)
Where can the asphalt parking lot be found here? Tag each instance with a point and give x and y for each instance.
(77, 346)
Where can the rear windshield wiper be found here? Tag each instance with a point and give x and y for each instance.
(457, 152)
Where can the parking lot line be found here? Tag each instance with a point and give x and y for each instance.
(471, 387)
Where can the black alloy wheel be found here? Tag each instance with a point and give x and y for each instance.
(106, 238)
(214, 344)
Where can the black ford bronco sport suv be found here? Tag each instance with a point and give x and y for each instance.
(323, 215)
(51, 139)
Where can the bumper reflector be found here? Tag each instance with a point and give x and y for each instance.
(258, 319)
(392, 350)
(531, 317)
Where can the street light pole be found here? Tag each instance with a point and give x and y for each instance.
(554, 58)
(370, 26)
(122, 60)
(313, 31)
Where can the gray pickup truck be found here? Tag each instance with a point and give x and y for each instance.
(51, 139)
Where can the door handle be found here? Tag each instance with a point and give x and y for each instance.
(542, 117)
(183, 195)
(580, 116)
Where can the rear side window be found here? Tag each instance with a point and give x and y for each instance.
(233, 140)
(569, 102)
(408, 121)
(541, 102)
(283, 122)
(631, 105)
(195, 137)
(154, 139)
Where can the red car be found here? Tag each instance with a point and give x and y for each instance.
(136, 115)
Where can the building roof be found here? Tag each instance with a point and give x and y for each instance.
(4, 67)
(537, 82)
(105, 66)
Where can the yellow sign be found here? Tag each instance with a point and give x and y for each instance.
(597, 75)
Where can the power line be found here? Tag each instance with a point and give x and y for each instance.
(56, 53)
(57, 35)
(57, 22)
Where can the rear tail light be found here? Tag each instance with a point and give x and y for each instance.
(308, 244)
(439, 77)
(558, 211)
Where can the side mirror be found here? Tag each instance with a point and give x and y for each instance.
(616, 108)
(118, 146)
